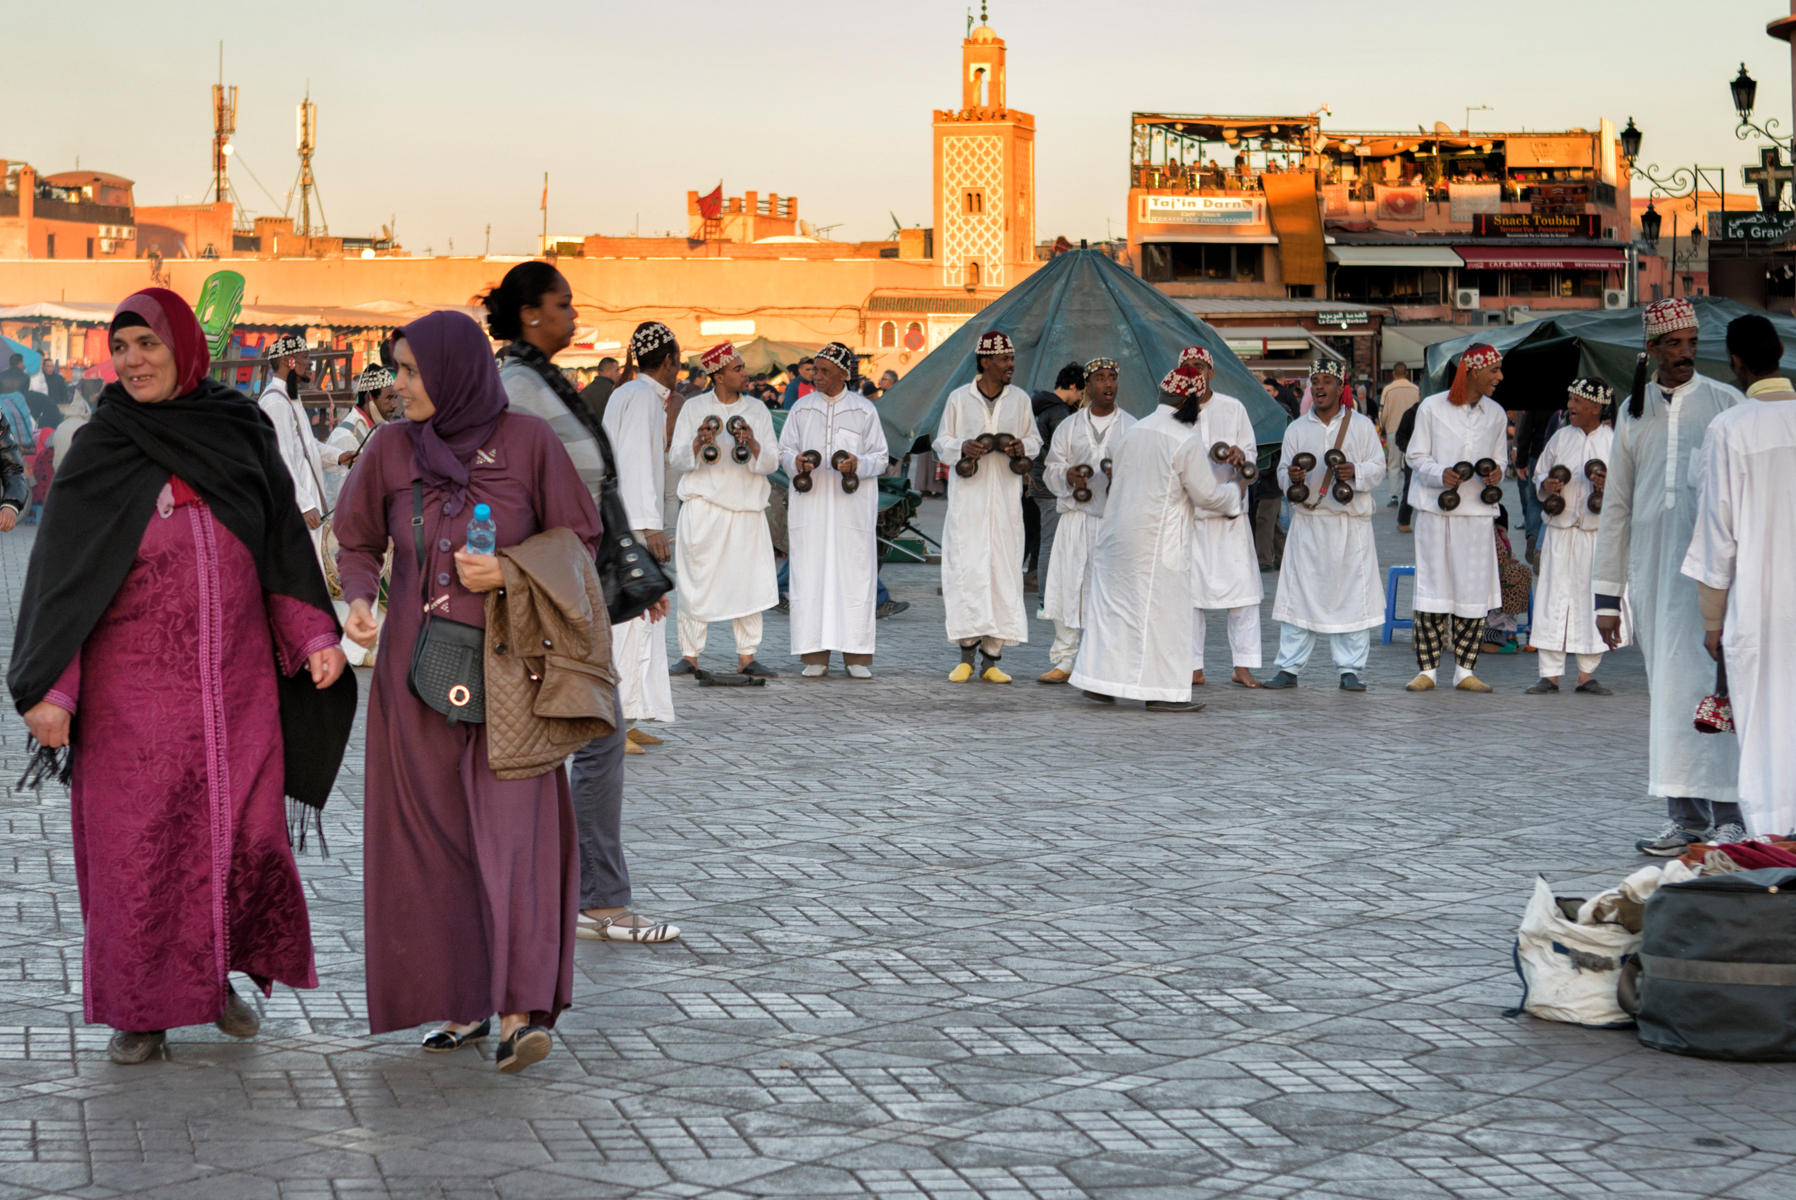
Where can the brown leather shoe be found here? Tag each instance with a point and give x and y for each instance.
(632, 748)
(239, 1019)
(1054, 676)
(128, 1049)
(641, 737)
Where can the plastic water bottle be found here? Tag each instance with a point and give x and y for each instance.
(483, 533)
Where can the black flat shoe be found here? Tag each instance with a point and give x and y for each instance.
(755, 670)
(1542, 687)
(683, 668)
(1593, 688)
(1174, 706)
(1284, 679)
(443, 1040)
(1100, 697)
(1351, 682)
(530, 1044)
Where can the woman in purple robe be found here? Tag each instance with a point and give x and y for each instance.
(472, 881)
(171, 599)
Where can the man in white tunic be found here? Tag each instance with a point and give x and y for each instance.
(982, 539)
(1564, 617)
(1076, 466)
(301, 452)
(723, 551)
(1649, 515)
(1456, 546)
(1136, 643)
(1743, 559)
(1329, 583)
(833, 533)
(638, 423)
(1225, 569)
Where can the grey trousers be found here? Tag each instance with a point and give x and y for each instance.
(1696, 814)
(596, 779)
(1049, 506)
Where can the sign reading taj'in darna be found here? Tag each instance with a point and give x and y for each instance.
(1203, 210)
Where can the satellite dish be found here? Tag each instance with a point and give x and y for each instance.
(1442, 129)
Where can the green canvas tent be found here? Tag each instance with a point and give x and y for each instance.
(1541, 357)
(1078, 307)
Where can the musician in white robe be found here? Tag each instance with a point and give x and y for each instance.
(723, 550)
(1136, 642)
(833, 534)
(1077, 457)
(1456, 549)
(1564, 618)
(1649, 515)
(1743, 559)
(982, 538)
(1328, 583)
(1225, 568)
(636, 422)
(376, 402)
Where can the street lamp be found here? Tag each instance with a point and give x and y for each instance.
(1630, 142)
(1650, 222)
(1745, 90)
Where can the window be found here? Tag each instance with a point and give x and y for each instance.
(1203, 262)
(972, 274)
(888, 335)
(973, 202)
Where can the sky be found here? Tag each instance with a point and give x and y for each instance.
(443, 116)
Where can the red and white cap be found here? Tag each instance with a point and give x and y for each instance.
(994, 342)
(1196, 356)
(1180, 381)
(718, 357)
(1668, 316)
(1481, 356)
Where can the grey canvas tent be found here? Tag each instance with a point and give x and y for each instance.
(1541, 357)
(1078, 307)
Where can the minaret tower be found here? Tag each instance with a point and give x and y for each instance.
(984, 173)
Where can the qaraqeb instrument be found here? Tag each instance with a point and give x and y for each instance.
(807, 461)
(738, 429)
(1248, 471)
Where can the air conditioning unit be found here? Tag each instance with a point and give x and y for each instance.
(1515, 314)
(1489, 316)
(1465, 298)
(1615, 297)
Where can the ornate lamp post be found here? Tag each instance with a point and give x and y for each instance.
(1745, 90)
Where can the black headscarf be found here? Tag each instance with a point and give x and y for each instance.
(100, 502)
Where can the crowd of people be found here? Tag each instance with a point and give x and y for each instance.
(487, 537)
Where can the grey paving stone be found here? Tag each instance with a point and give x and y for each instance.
(964, 941)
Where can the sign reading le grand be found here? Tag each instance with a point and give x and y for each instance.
(1750, 226)
(1202, 210)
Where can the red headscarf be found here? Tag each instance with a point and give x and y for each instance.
(170, 319)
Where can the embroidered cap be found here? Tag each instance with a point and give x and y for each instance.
(1196, 356)
(1594, 390)
(1480, 356)
(840, 355)
(994, 342)
(649, 336)
(1330, 367)
(1668, 316)
(373, 378)
(285, 344)
(1179, 382)
(1101, 364)
(718, 357)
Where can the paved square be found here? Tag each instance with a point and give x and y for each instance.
(966, 941)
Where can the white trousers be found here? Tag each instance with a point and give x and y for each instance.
(1065, 648)
(693, 633)
(1244, 636)
(1350, 650)
(991, 647)
(1552, 663)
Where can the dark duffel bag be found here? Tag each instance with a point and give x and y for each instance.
(1717, 967)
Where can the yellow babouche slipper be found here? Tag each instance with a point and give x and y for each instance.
(993, 675)
(961, 674)
(1421, 683)
(1471, 683)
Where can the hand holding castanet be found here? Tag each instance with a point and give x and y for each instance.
(1608, 627)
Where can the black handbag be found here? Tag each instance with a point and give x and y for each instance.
(632, 577)
(448, 669)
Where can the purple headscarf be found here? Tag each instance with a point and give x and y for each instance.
(456, 363)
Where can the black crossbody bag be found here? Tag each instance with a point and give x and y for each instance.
(448, 669)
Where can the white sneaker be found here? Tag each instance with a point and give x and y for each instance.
(857, 671)
(815, 670)
(1728, 834)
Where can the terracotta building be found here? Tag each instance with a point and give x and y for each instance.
(70, 215)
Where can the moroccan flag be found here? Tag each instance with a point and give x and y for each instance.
(710, 205)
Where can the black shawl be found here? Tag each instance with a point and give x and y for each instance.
(93, 521)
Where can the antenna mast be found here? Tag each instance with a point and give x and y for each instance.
(308, 186)
(224, 125)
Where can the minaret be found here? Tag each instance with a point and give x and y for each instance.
(984, 173)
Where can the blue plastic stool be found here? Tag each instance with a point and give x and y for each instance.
(1391, 619)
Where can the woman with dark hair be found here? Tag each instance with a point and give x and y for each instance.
(175, 631)
(532, 311)
(472, 880)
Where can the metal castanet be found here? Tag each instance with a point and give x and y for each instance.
(1248, 471)
(1449, 498)
(738, 429)
(848, 466)
(1597, 471)
(808, 461)
(1012, 447)
(1553, 505)
(1304, 461)
(1081, 477)
(711, 425)
(1492, 493)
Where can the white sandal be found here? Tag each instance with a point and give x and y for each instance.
(609, 929)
